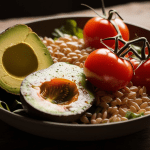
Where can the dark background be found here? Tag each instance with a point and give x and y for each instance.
(27, 8)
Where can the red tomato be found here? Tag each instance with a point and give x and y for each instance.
(107, 71)
(146, 50)
(142, 74)
(98, 28)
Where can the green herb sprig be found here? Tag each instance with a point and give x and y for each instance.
(131, 115)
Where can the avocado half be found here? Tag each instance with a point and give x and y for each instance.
(21, 53)
(59, 93)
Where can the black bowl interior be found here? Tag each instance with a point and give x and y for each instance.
(64, 131)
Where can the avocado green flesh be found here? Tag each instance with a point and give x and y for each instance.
(34, 103)
(21, 53)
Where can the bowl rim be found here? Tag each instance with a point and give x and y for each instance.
(76, 16)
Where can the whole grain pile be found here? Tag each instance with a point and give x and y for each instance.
(114, 105)
(110, 106)
(68, 49)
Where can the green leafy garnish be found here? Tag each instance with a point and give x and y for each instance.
(16, 105)
(4, 105)
(131, 115)
(137, 48)
(70, 28)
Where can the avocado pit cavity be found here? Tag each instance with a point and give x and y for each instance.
(59, 91)
(19, 60)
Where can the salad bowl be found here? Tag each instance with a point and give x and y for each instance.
(67, 131)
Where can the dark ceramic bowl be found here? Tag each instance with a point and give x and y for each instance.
(79, 132)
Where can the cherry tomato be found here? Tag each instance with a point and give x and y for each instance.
(142, 74)
(107, 71)
(98, 28)
(146, 50)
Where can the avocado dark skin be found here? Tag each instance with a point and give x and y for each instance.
(40, 115)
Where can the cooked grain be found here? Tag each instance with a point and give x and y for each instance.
(114, 105)
(68, 49)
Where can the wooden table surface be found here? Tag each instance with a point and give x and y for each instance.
(11, 138)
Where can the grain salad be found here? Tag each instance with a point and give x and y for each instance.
(109, 106)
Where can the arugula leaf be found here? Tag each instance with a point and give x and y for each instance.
(70, 28)
(131, 115)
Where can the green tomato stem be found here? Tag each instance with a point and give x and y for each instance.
(103, 8)
(127, 44)
(111, 12)
(102, 16)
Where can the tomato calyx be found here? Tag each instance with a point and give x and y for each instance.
(129, 46)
